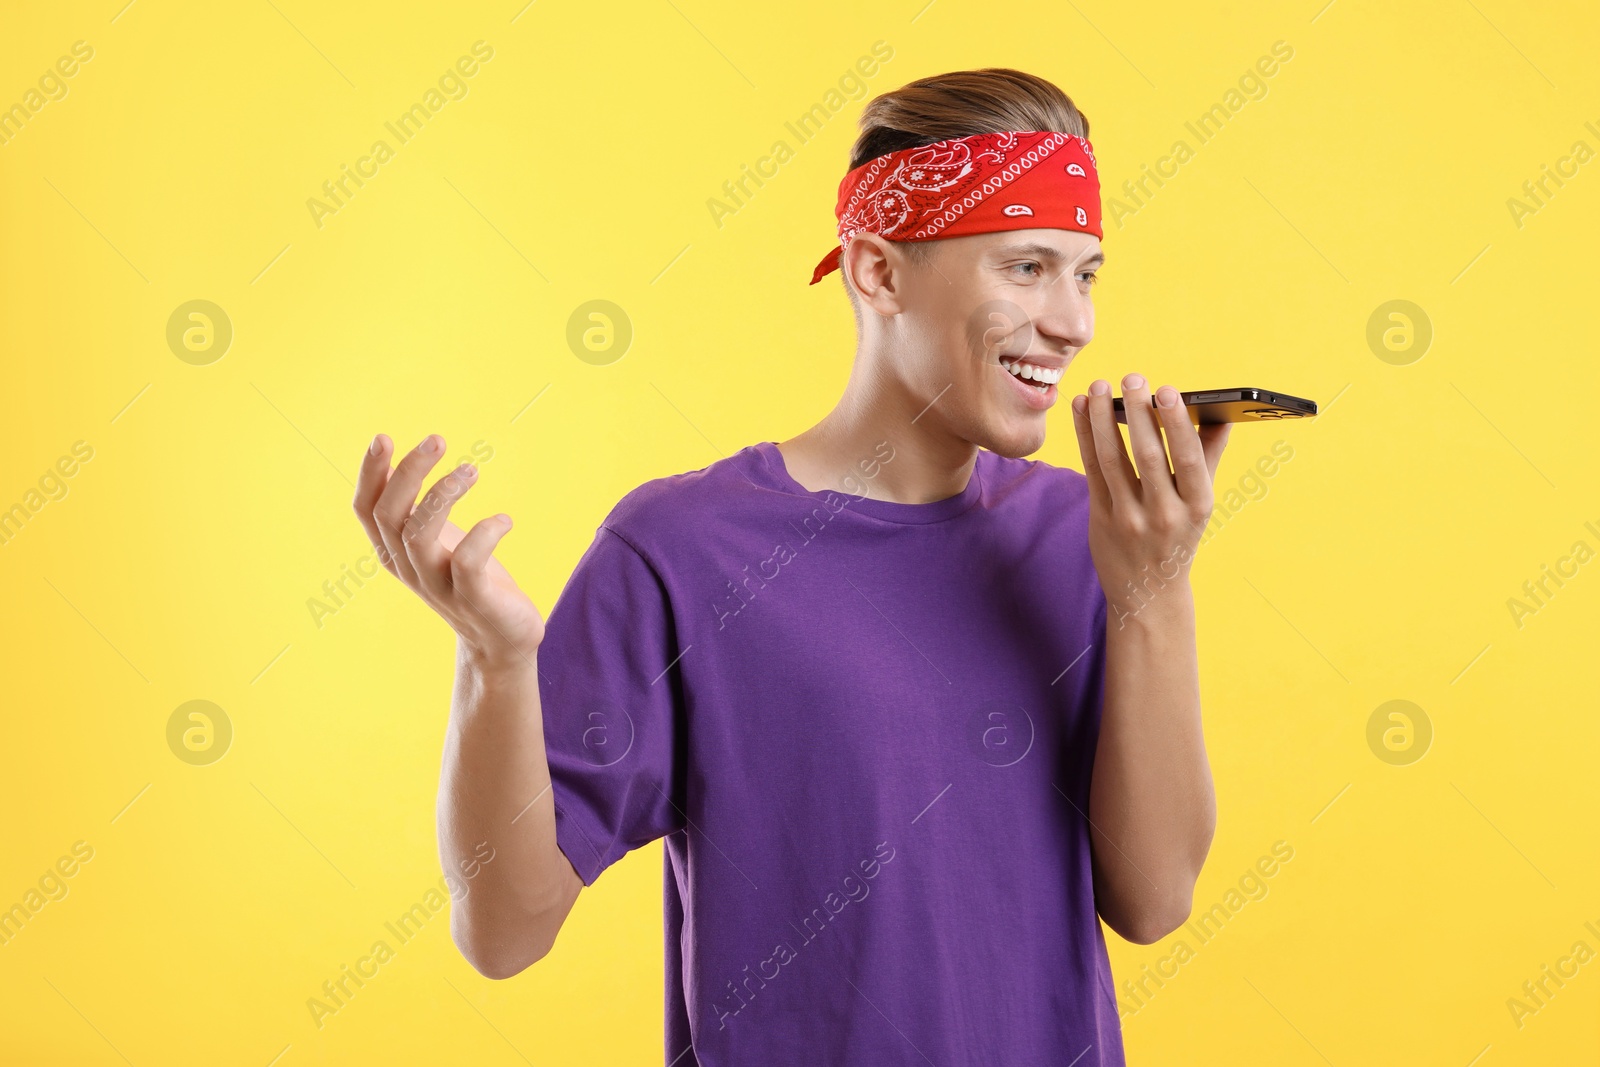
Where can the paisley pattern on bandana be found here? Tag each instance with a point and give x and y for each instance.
(975, 184)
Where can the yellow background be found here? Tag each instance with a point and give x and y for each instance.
(1375, 566)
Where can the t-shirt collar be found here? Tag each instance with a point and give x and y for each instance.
(770, 470)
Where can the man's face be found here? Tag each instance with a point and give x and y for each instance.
(997, 317)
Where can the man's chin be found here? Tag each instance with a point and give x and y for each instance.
(1015, 441)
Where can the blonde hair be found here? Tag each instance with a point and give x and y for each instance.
(958, 104)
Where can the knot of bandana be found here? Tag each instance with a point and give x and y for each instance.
(1017, 180)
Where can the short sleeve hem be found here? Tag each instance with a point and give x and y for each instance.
(607, 639)
(577, 843)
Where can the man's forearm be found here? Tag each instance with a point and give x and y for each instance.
(1152, 806)
(494, 788)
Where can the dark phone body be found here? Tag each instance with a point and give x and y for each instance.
(1208, 406)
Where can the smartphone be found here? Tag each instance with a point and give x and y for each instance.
(1208, 406)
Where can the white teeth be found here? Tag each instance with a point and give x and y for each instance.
(1033, 373)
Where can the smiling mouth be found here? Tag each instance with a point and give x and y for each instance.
(1040, 378)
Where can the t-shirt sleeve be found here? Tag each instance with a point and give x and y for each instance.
(1094, 689)
(612, 706)
(1087, 673)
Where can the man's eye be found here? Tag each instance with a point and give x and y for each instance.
(1094, 279)
(1029, 263)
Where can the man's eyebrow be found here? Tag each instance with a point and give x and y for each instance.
(1046, 253)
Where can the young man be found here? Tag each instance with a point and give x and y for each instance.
(911, 712)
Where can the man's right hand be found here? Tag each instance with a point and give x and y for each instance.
(494, 782)
(453, 570)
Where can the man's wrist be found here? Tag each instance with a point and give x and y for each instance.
(498, 666)
(1150, 611)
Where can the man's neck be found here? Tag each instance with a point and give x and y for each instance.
(846, 451)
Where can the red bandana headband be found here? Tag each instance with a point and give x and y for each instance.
(977, 184)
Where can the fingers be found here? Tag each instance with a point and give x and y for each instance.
(1111, 458)
(1144, 435)
(1213, 439)
(469, 563)
(398, 497)
(1189, 466)
(1099, 495)
(421, 531)
(369, 485)
(451, 535)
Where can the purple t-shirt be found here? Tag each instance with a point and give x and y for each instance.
(865, 730)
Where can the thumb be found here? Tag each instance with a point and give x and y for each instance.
(1213, 439)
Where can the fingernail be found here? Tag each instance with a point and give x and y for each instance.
(429, 446)
(467, 470)
(1167, 396)
(1079, 403)
(1099, 387)
(1133, 381)
(377, 445)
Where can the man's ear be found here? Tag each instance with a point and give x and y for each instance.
(878, 272)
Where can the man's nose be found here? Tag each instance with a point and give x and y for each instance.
(1066, 319)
